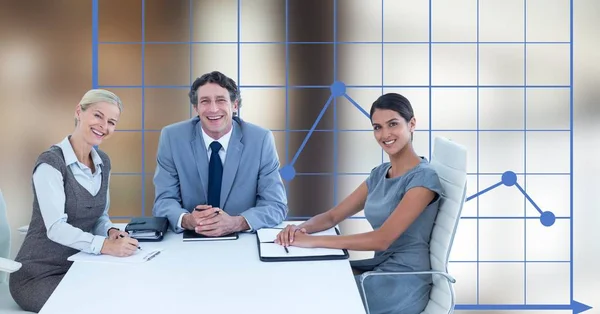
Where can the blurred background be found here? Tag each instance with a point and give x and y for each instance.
(463, 64)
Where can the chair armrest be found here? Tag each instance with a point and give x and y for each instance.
(368, 274)
(388, 273)
(9, 266)
(23, 229)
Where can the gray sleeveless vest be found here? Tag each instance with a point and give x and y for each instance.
(42, 257)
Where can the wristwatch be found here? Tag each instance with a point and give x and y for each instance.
(108, 231)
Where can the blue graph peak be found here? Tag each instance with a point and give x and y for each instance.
(338, 89)
(509, 178)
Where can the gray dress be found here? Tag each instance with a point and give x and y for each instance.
(406, 294)
(45, 261)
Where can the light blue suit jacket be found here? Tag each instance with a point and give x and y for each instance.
(251, 186)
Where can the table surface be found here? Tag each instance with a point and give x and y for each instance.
(207, 277)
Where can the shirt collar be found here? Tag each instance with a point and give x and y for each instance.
(69, 153)
(224, 140)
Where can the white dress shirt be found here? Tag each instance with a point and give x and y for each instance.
(224, 141)
(49, 187)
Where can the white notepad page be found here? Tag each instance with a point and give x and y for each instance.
(269, 249)
(140, 256)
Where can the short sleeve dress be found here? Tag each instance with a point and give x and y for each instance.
(404, 294)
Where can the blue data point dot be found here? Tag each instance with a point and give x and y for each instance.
(288, 172)
(338, 89)
(547, 219)
(509, 178)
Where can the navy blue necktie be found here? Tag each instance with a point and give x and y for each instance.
(215, 175)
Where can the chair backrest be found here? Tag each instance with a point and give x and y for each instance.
(4, 234)
(450, 162)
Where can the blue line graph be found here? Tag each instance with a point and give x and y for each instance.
(339, 88)
(509, 178)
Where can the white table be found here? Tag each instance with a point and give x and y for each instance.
(207, 277)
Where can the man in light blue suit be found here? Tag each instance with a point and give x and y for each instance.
(215, 173)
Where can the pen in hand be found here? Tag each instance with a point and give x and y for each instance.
(120, 235)
(286, 249)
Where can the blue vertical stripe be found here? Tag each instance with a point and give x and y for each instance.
(525, 150)
(477, 140)
(382, 58)
(571, 145)
(430, 79)
(287, 92)
(191, 16)
(335, 122)
(239, 69)
(143, 109)
(94, 43)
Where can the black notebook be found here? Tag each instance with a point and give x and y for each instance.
(147, 228)
(191, 235)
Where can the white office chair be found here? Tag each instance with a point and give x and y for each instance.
(7, 266)
(450, 162)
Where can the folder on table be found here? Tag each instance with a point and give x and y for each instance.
(147, 228)
(268, 251)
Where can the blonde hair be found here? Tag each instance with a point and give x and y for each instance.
(94, 96)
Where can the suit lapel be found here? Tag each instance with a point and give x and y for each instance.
(200, 159)
(232, 162)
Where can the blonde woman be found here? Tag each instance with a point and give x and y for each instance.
(70, 204)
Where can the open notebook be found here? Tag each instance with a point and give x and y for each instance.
(269, 251)
(140, 256)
